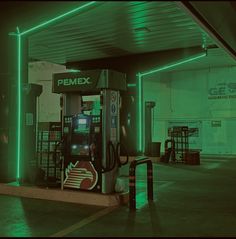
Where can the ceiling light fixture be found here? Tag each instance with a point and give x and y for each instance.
(73, 70)
(142, 29)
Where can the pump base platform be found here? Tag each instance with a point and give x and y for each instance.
(80, 197)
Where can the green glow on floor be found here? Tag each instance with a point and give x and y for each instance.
(42, 25)
(140, 100)
(18, 150)
(19, 226)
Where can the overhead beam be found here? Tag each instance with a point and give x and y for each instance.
(137, 62)
(216, 19)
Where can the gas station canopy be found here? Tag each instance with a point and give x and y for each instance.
(111, 29)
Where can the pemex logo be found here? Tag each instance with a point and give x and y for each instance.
(74, 81)
(81, 175)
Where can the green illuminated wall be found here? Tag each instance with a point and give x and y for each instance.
(156, 88)
(184, 97)
(152, 71)
(49, 103)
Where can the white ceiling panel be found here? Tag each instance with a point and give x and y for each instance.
(112, 29)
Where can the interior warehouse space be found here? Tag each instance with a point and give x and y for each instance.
(118, 119)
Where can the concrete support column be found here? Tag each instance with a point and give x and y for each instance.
(17, 72)
(4, 107)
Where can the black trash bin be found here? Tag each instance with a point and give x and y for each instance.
(154, 149)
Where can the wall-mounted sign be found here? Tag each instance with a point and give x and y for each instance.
(113, 96)
(222, 91)
(88, 81)
(74, 81)
(216, 123)
(81, 81)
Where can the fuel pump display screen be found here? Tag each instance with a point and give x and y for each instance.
(80, 136)
(81, 126)
(82, 121)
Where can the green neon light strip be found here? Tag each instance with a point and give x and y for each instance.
(131, 85)
(57, 18)
(172, 65)
(140, 108)
(19, 65)
(140, 120)
(18, 150)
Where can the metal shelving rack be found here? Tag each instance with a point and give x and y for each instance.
(47, 157)
(180, 136)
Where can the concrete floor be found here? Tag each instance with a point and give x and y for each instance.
(193, 201)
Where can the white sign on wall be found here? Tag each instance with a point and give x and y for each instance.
(222, 84)
(194, 128)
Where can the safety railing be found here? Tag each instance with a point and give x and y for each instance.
(132, 180)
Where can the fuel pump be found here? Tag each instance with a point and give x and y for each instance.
(90, 131)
